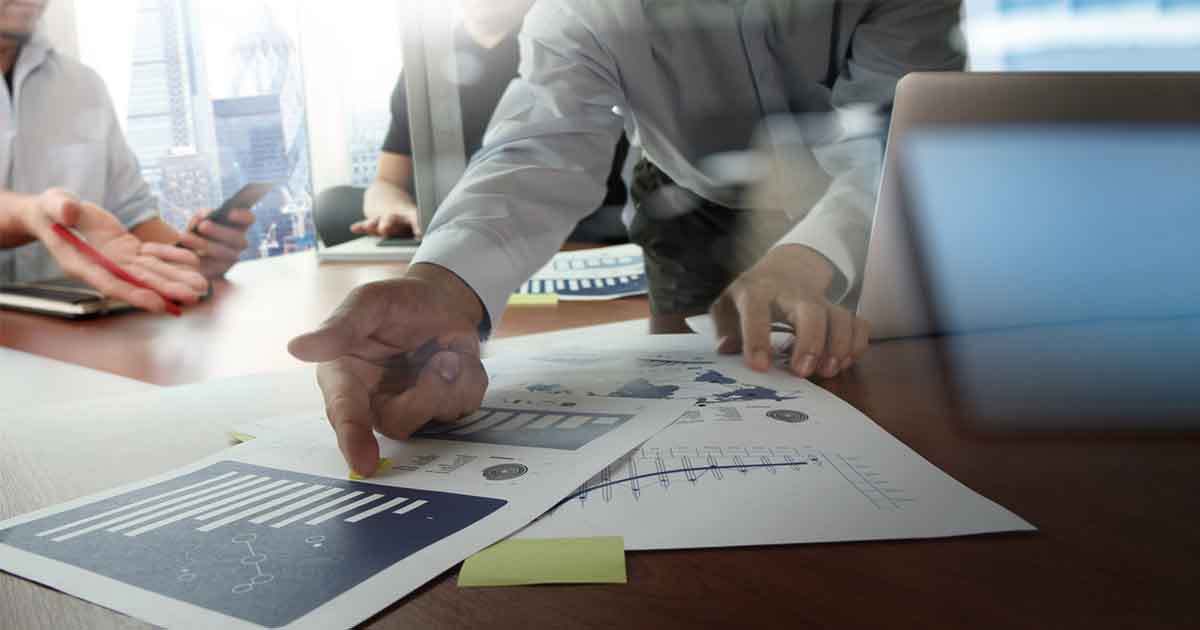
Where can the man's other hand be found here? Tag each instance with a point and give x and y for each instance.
(789, 285)
(395, 355)
(400, 223)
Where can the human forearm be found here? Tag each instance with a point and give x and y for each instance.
(838, 226)
(14, 229)
(384, 197)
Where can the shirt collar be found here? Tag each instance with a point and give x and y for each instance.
(35, 51)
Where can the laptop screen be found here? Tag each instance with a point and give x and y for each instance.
(1070, 254)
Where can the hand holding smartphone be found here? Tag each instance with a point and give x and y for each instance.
(249, 195)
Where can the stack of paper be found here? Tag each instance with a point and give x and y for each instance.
(273, 532)
(656, 440)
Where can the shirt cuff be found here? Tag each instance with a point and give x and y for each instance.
(840, 241)
(480, 260)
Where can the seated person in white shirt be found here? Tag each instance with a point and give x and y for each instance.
(693, 80)
(67, 162)
(485, 45)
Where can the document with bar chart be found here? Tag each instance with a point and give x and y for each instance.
(758, 458)
(272, 533)
(602, 273)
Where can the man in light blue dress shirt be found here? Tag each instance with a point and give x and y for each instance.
(695, 81)
(64, 159)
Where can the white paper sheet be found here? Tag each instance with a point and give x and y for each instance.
(760, 459)
(272, 533)
(29, 380)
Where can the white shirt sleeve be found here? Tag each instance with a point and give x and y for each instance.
(543, 166)
(126, 193)
(838, 226)
(893, 39)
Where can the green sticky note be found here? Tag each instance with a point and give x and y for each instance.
(599, 560)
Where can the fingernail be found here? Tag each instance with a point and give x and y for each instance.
(830, 368)
(448, 365)
(808, 364)
(762, 360)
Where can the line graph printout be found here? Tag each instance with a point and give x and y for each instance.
(272, 533)
(757, 459)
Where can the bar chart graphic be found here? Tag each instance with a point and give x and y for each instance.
(259, 544)
(563, 430)
(586, 288)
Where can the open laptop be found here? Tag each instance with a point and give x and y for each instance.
(891, 295)
(1069, 253)
(435, 125)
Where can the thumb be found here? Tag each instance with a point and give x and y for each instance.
(60, 206)
(69, 212)
(448, 365)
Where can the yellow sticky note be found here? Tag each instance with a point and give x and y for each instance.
(599, 560)
(533, 299)
(240, 437)
(385, 465)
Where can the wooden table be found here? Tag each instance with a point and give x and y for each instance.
(244, 328)
(1118, 544)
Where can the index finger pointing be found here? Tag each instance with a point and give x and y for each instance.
(348, 408)
(756, 330)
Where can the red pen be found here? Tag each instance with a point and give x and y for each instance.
(112, 267)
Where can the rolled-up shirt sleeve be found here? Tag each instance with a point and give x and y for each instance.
(127, 195)
(895, 38)
(543, 166)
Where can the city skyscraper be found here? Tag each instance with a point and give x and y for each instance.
(262, 134)
(186, 184)
(194, 150)
(166, 117)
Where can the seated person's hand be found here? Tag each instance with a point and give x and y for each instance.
(788, 285)
(218, 246)
(167, 269)
(402, 222)
(395, 355)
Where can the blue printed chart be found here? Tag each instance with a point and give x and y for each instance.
(563, 430)
(605, 288)
(259, 544)
(602, 273)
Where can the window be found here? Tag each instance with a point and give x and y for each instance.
(218, 93)
(1088, 35)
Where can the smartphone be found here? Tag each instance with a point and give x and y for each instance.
(249, 195)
